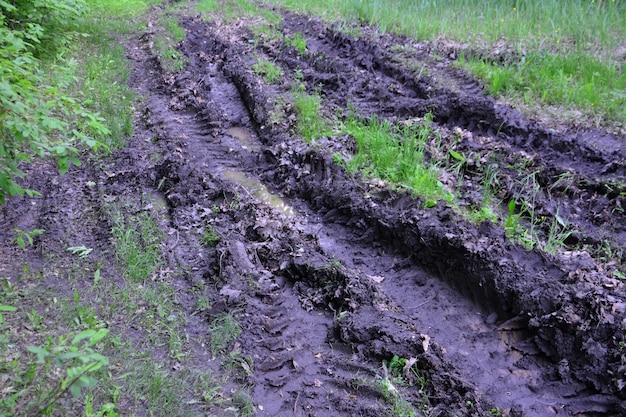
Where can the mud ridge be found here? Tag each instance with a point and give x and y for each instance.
(571, 171)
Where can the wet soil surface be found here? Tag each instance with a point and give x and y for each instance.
(332, 276)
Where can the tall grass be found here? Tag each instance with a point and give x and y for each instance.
(310, 125)
(532, 22)
(104, 69)
(578, 80)
(574, 49)
(234, 9)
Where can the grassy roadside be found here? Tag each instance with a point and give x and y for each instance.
(561, 58)
(103, 334)
(101, 343)
(66, 348)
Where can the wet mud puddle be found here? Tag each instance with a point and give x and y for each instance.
(213, 148)
(257, 189)
(246, 138)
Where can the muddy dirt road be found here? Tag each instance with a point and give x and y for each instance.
(332, 275)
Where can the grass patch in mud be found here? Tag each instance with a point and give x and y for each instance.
(224, 329)
(310, 124)
(403, 157)
(399, 374)
(270, 72)
(297, 42)
(137, 241)
(397, 156)
(166, 42)
(158, 372)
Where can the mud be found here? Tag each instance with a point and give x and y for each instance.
(331, 275)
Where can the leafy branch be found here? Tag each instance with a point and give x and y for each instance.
(37, 119)
(65, 367)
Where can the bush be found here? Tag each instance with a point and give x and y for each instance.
(37, 117)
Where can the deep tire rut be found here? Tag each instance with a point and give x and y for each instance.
(354, 274)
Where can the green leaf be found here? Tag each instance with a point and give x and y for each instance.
(69, 355)
(75, 160)
(85, 334)
(42, 354)
(63, 165)
(511, 207)
(7, 6)
(81, 251)
(82, 382)
(619, 275)
(98, 336)
(457, 156)
(5, 308)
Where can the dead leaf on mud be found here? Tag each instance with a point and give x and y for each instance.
(425, 342)
(230, 293)
(376, 278)
(408, 365)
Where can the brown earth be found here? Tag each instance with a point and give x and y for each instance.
(329, 274)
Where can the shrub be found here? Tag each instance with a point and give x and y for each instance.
(37, 117)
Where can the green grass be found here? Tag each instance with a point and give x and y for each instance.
(224, 329)
(399, 374)
(234, 9)
(207, 6)
(267, 34)
(104, 69)
(270, 72)
(104, 83)
(573, 49)
(166, 41)
(138, 244)
(120, 9)
(210, 237)
(298, 42)
(535, 23)
(396, 156)
(146, 361)
(579, 81)
(310, 124)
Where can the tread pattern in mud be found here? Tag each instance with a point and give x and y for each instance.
(559, 317)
